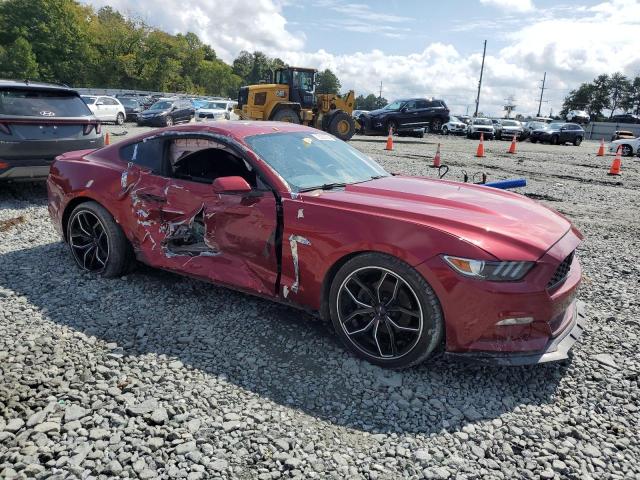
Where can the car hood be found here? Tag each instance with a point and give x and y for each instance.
(153, 112)
(380, 111)
(506, 225)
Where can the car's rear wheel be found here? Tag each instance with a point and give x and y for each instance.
(555, 140)
(533, 140)
(435, 125)
(119, 119)
(385, 312)
(96, 241)
(168, 121)
(577, 141)
(626, 150)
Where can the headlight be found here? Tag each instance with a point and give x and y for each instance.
(487, 270)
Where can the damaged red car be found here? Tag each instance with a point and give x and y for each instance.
(405, 267)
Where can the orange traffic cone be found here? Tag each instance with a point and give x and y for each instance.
(512, 148)
(617, 163)
(601, 149)
(107, 139)
(389, 140)
(480, 151)
(436, 159)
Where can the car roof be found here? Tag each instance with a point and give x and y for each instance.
(34, 85)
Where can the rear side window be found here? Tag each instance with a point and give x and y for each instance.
(422, 104)
(41, 103)
(148, 154)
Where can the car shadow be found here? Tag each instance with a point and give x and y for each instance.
(273, 350)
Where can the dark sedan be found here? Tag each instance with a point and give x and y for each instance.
(39, 121)
(167, 113)
(132, 107)
(559, 134)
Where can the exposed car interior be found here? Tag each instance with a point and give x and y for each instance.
(203, 160)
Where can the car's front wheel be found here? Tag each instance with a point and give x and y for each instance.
(168, 121)
(385, 312)
(445, 130)
(120, 118)
(97, 243)
(626, 150)
(577, 141)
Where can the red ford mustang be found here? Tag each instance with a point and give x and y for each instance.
(403, 266)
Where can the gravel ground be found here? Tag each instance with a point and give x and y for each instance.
(158, 376)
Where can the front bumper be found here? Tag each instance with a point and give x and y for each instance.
(158, 121)
(557, 349)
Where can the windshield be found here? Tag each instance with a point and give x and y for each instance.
(306, 159)
(482, 121)
(510, 123)
(394, 105)
(216, 106)
(161, 105)
(555, 126)
(88, 100)
(42, 103)
(454, 120)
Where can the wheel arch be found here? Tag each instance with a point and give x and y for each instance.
(73, 203)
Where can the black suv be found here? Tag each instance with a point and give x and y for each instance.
(39, 121)
(559, 134)
(406, 115)
(165, 113)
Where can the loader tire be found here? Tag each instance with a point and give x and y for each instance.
(342, 126)
(286, 115)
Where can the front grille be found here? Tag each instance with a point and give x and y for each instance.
(206, 115)
(561, 272)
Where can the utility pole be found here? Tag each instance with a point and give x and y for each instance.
(542, 93)
(380, 96)
(484, 52)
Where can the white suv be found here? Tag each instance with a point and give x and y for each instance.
(482, 126)
(106, 109)
(216, 110)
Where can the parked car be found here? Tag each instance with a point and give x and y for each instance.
(530, 126)
(559, 134)
(482, 126)
(357, 113)
(407, 114)
(497, 128)
(511, 128)
(466, 119)
(622, 134)
(454, 126)
(132, 107)
(216, 110)
(39, 121)
(578, 116)
(625, 118)
(417, 265)
(628, 146)
(106, 109)
(167, 113)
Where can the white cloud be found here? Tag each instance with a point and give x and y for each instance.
(555, 40)
(511, 5)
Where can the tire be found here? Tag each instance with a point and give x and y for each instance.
(577, 141)
(554, 140)
(168, 121)
(533, 140)
(413, 321)
(120, 118)
(445, 130)
(286, 115)
(435, 125)
(626, 150)
(393, 125)
(90, 220)
(342, 126)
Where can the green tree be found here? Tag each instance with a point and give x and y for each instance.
(579, 99)
(619, 86)
(370, 102)
(18, 61)
(327, 82)
(631, 99)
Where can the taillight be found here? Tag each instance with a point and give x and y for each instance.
(90, 126)
(4, 128)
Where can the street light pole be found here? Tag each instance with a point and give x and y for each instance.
(484, 52)
(542, 92)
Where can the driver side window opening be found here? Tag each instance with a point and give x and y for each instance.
(203, 160)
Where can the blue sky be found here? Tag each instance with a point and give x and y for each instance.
(423, 48)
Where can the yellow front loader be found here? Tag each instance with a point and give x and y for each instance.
(292, 98)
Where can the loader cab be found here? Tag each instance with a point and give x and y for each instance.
(301, 82)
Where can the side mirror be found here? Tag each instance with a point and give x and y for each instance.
(231, 185)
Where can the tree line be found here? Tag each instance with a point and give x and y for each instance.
(63, 41)
(605, 92)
